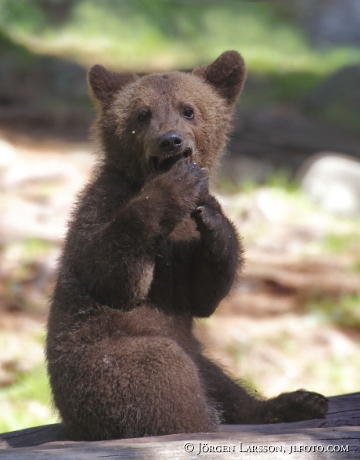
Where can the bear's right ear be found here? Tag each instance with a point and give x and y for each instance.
(104, 84)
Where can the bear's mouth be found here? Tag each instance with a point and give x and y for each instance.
(166, 161)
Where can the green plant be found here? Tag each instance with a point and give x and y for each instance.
(147, 34)
(27, 402)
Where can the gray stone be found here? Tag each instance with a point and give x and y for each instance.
(333, 180)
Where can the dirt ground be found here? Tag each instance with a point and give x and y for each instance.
(293, 321)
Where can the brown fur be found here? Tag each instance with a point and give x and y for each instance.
(147, 251)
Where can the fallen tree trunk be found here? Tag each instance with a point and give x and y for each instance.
(337, 436)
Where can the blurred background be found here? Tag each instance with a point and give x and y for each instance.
(291, 183)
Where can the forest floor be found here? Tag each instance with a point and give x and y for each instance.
(293, 321)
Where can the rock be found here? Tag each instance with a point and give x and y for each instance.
(333, 180)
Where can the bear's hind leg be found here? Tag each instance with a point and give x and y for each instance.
(240, 406)
(138, 386)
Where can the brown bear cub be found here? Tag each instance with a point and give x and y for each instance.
(148, 250)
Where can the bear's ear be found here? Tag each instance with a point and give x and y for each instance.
(226, 74)
(104, 83)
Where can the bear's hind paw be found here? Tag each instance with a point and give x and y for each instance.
(296, 406)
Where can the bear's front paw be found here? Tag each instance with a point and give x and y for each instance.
(296, 406)
(190, 182)
(208, 216)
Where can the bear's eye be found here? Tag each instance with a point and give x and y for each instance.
(188, 113)
(144, 115)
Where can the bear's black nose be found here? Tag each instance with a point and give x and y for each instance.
(170, 141)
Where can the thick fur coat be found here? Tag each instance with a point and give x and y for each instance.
(148, 250)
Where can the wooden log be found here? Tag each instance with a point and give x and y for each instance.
(337, 436)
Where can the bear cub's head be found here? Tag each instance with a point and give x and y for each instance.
(145, 124)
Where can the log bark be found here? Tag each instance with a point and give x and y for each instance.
(337, 436)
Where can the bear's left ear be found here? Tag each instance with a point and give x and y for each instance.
(226, 74)
(104, 84)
